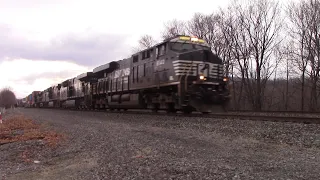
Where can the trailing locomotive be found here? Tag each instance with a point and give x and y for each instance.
(178, 74)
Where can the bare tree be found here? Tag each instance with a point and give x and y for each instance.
(208, 27)
(198, 26)
(146, 41)
(174, 28)
(261, 26)
(304, 32)
(289, 64)
(7, 98)
(313, 49)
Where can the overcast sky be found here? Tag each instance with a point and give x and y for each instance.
(43, 42)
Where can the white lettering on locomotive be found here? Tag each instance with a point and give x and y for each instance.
(117, 73)
(122, 73)
(160, 62)
(126, 72)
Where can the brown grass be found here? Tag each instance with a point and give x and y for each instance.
(20, 128)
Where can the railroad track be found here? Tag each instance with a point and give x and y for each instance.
(259, 116)
(263, 111)
(275, 118)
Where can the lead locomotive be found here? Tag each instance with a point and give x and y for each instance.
(181, 73)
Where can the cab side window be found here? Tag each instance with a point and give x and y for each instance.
(161, 50)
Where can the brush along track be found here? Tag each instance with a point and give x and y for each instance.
(257, 116)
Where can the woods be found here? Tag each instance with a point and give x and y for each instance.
(270, 50)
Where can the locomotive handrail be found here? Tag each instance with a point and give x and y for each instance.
(186, 86)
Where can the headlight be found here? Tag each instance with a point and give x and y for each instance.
(225, 79)
(201, 77)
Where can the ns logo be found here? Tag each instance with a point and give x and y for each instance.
(122, 73)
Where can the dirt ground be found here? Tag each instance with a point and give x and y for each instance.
(101, 145)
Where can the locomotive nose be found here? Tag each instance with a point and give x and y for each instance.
(200, 55)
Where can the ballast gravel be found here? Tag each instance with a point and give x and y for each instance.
(102, 145)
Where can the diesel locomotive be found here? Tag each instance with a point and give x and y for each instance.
(178, 74)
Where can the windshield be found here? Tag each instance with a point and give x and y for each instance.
(182, 47)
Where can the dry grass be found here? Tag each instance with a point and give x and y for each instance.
(20, 128)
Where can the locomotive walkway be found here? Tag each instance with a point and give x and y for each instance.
(144, 146)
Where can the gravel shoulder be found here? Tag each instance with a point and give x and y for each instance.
(103, 145)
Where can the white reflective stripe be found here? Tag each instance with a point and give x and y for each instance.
(190, 74)
(176, 68)
(183, 67)
(187, 61)
(185, 71)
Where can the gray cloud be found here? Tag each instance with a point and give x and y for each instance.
(89, 50)
(30, 79)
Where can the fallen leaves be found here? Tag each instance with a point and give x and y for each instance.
(20, 128)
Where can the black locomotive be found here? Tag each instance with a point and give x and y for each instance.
(180, 73)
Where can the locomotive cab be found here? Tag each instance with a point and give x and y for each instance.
(200, 74)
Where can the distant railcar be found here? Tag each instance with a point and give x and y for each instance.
(31, 99)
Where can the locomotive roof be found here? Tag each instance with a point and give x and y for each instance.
(65, 83)
(87, 76)
(190, 39)
(84, 75)
(178, 38)
(106, 67)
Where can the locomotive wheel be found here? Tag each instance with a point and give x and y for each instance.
(170, 108)
(187, 110)
(225, 106)
(155, 107)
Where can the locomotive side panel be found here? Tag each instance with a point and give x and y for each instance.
(64, 93)
(77, 84)
(121, 92)
(142, 75)
(101, 86)
(87, 80)
(75, 95)
(87, 95)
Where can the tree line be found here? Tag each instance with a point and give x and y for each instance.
(271, 51)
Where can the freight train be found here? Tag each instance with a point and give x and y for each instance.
(179, 74)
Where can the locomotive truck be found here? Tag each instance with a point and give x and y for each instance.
(178, 74)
